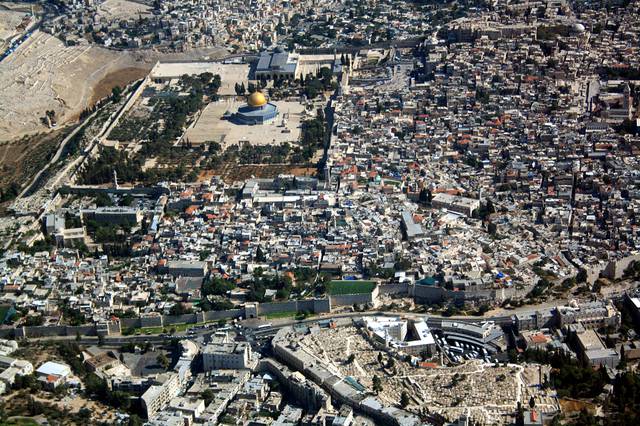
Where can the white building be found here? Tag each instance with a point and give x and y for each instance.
(158, 396)
(455, 203)
(227, 356)
(393, 333)
(53, 374)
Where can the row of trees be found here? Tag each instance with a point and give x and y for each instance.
(313, 135)
(314, 85)
(570, 376)
(241, 90)
(10, 192)
(100, 170)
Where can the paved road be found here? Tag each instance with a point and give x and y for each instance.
(254, 323)
(57, 155)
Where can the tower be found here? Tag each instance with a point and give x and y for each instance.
(115, 179)
(627, 100)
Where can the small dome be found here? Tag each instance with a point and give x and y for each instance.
(256, 99)
(579, 28)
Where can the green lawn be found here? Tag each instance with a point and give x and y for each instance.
(337, 287)
(392, 182)
(276, 315)
(19, 421)
(3, 313)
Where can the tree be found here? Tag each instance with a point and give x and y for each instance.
(351, 358)
(260, 256)
(492, 228)
(425, 196)
(135, 420)
(163, 361)
(623, 361)
(380, 357)
(116, 94)
(127, 200)
(103, 200)
(377, 384)
(404, 399)
(581, 277)
(34, 407)
(179, 309)
(532, 402)
(84, 413)
(208, 396)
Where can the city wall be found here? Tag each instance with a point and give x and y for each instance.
(388, 289)
(56, 330)
(436, 294)
(404, 43)
(153, 191)
(132, 100)
(355, 299)
(316, 306)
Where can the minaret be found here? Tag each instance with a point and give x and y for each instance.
(115, 179)
(627, 102)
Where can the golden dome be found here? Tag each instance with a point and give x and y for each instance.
(256, 99)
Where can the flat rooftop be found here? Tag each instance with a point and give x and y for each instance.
(589, 340)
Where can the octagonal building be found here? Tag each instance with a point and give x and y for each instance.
(257, 110)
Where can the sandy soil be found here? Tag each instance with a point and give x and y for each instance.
(122, 9)
(9, 20)
(574, 406)
(232, 172)
(44, 74)
(117, 78)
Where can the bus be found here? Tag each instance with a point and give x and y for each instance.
(260, 327)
